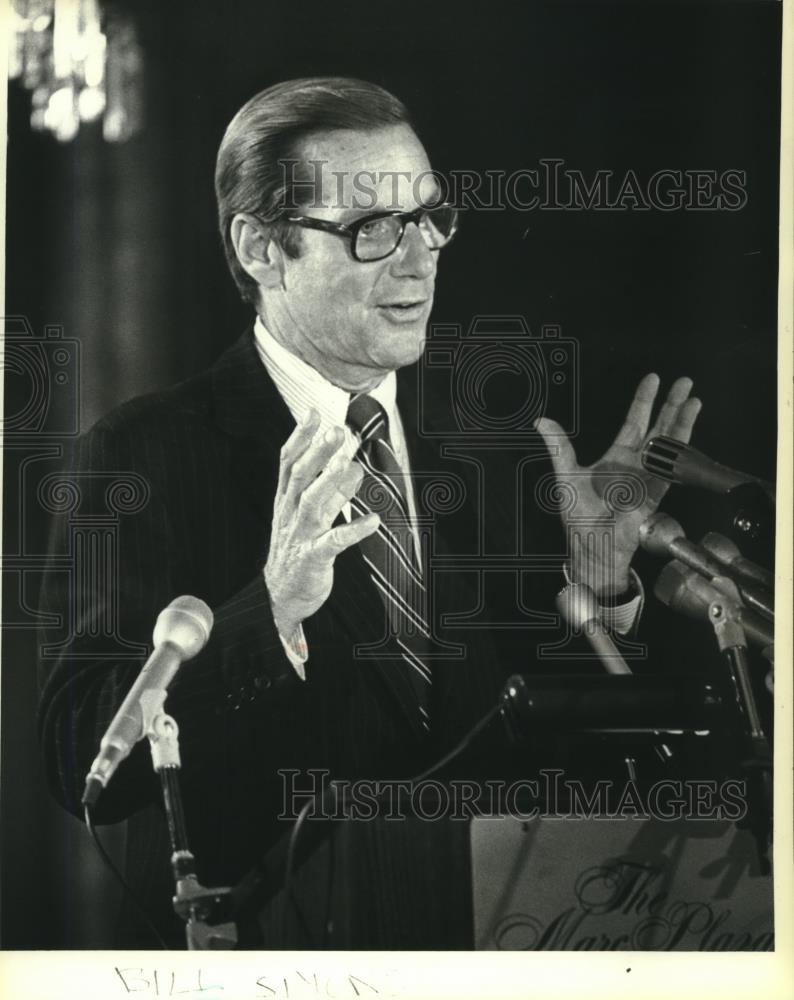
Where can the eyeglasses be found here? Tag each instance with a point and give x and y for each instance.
(374, 237)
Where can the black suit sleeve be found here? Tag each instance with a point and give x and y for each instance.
(106, 595)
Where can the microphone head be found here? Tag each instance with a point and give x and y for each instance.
(659, 532)
(670, 582)
(721, 547)
(682, 589)
(729, 554)
(186, 623)
(677, 462)
(685, 591)
(661, 456)
(578, 605)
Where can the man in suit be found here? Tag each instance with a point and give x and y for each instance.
(262, 486)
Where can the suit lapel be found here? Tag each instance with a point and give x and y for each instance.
(249, 408)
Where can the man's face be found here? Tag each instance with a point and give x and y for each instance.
(355, 322)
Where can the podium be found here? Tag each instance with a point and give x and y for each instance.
(619, 884)
(502, 883)
(440, 872)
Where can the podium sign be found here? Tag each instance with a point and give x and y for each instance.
(606, 885)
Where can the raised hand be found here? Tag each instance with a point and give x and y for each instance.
(616, 490)
(314, 484)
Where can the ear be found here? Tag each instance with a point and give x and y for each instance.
(258, 254)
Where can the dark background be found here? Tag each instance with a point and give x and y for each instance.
(118, 244)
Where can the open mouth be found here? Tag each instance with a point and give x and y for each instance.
(404, 311)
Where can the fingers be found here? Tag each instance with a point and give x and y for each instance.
(301, 471)
(676, 397)
(685, 421)
(635, 426)
(676, 417)
(563, 457)
(300, 439)
(324, 498)
(338, 539)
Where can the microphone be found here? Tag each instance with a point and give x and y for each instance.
(578, 605)
(680, 463)
(662, 535)
(727, 552)
(687, 592)
(181, 631)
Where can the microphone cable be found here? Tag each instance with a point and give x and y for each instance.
(126, 888)
(469, 738)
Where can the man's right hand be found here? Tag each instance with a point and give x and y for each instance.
(315, 481)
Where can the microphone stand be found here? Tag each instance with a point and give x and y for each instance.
(725, 617)
(579, 607)
(202, 909)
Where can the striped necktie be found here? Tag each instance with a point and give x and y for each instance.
(390, 552)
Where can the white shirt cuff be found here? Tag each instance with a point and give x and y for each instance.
(297, 651)
(620, 618)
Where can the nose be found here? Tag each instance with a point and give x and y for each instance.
(413, 258)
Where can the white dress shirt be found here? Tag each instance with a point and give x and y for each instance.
(303, 388)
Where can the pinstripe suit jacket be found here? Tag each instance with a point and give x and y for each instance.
(207, 451)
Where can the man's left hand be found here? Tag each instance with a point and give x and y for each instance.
(615, 476)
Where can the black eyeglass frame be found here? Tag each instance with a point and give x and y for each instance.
(351, 230)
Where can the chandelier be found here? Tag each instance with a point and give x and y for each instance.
(80, 65)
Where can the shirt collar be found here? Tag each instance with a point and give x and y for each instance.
(302, 386)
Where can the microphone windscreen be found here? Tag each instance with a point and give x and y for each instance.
(659, 456)
(658, 533)
(186, 624)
